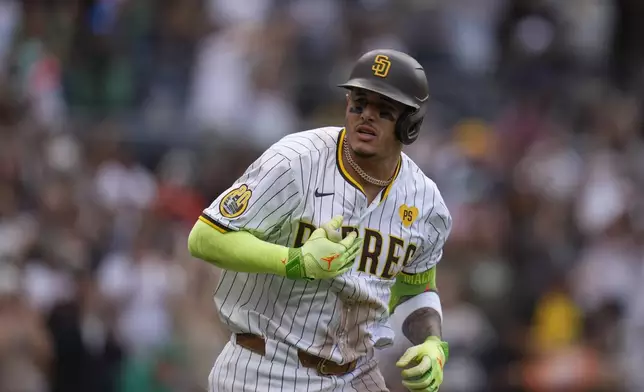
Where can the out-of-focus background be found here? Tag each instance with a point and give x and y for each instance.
(121, 119)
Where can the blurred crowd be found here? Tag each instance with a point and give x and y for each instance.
(121, 119)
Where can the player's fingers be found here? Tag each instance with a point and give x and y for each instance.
(437, 371)
(352, 254)
(423, 367)
(331, 229)
(422, 383)
(355, 247)
(345, 268)
(349, 260)
(436, 375)
(349, 240)
(336, 222)
(318, 233)
(407, 357)
(333, 235)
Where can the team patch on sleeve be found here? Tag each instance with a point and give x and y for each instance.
(235, 202)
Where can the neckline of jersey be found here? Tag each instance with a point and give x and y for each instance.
(347, 176)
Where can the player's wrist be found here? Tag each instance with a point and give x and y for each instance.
(443, 346)
(294, 266)
(434, 339)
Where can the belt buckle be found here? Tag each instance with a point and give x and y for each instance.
(322, 368)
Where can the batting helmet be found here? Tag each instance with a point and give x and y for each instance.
(399, 77)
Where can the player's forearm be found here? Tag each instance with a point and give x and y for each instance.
(421, 324)
(237, 251)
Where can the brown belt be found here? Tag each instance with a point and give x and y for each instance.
(324, 367)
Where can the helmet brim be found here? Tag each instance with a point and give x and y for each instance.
(383, 89)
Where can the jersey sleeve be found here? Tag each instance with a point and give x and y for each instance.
(437, 227)
(260, 200)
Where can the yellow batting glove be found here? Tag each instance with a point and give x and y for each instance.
(429, 359)
(324, 255)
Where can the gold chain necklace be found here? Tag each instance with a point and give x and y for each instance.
(362, 173)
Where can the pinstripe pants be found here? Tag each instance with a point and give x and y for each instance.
(240, 370)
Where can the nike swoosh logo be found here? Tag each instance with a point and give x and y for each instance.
(318, 194)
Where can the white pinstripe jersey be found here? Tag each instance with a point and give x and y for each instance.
(300, 183)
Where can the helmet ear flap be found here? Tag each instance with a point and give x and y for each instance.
(408, 126)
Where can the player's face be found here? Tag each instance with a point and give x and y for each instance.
(370, 123)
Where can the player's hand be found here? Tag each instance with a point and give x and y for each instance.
(428, 358)
(324, 255)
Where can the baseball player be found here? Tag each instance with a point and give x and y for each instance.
(322, 237)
